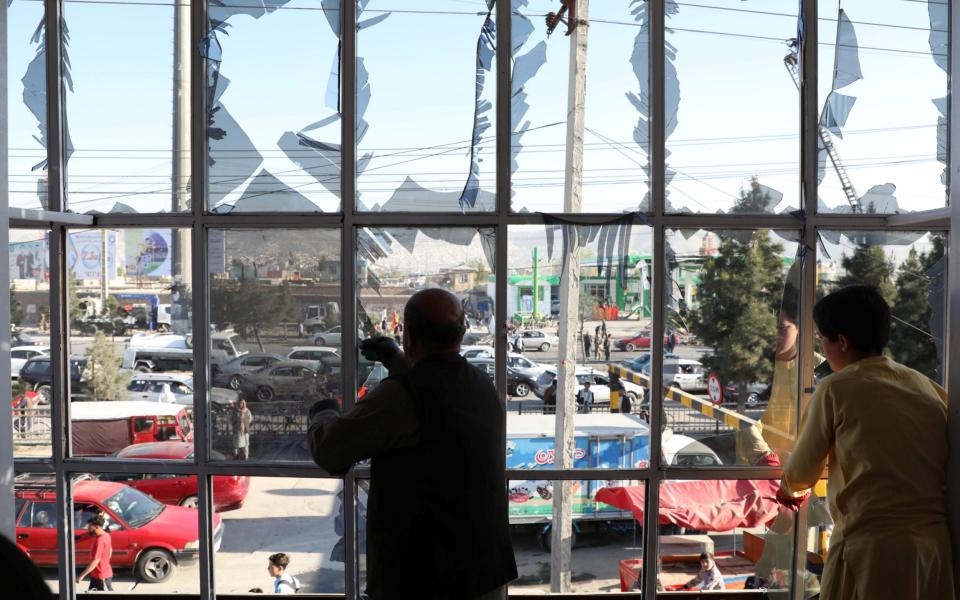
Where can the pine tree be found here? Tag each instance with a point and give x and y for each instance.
(739, 293)
(17, 313)
(910, 340)
(869, 265)
(105, 379)
(752, 201)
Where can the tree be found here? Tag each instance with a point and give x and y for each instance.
(911, 341)
(755, 200)
(869, 265)
(739, 292)
(17, 313)
(105, 379)
(251, 307)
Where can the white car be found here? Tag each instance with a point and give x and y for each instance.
(476, 351)
(687, 374)
(599, 385)
(316, 356)
(534, 339)
(175, 388)
(330, 337)
(19, 355)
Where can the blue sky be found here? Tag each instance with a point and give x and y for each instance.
(737, 114)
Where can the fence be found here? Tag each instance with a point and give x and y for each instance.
(31, 426)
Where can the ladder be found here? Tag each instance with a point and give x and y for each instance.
(790, 62)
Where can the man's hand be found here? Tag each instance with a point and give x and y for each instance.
(790, 501)
(321, 405)
(379, 348)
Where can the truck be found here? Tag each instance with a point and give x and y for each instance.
(317, 317)
(601, 441)
(154, 352)
(102, 428)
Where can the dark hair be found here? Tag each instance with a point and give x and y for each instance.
(437, 334)
(279, 560)
(97, 520)
(858, 312)
(789, 303)
(706, 555)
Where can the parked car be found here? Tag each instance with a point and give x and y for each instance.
(535, 339)
(231, 373)
(684, 373)
(517, 385)
(229, 491)
(524, 366)
(316, 357)
(757, 393)
(19, 355)
(546, 386)
(281, 380)
(469, 352)
(37, 373)
(19, 338)
(377, 374)
(641, 339)
(330, 337)
(151, 538)
(150, 386)
(640, 362)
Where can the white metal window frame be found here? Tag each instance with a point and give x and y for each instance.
(58, 221)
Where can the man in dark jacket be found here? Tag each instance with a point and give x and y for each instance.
(437, 524)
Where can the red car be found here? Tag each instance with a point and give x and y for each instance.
(229, 491)
(640, 340)
(149, 537)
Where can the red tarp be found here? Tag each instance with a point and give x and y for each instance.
(717, 505)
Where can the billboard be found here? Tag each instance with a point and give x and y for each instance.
(84, 253)
(147, 252)
(28, 260)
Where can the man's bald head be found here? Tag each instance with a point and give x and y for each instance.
(434, 318)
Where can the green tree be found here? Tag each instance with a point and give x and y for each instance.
(911, 341)
(739, 293)
(869, 265)
(18, 314)
(755, 200)
(251, 307)
(104, 377)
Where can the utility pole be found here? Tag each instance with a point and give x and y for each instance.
(536, 283)
(180, 251)
(104, 268)
(562, 528)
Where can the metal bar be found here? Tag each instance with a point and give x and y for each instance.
(33, 217)
(7, 504)
(953, 309)
(936, 218)
(56, 165)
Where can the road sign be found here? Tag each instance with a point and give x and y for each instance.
(714, 389)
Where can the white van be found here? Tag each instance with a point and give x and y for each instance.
(152, 352)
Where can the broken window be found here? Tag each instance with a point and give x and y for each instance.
(883, 102)
(444, 107)
(614, 146)
(732, 103)
(274, 53)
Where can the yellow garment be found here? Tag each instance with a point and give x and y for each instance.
(781, 413)
(884, 428)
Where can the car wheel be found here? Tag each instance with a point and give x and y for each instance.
(190, 502)
(629, 347)
(45, 394)
(544, 346)
(163, 327)
(521, 390)
(155, 565)
(264, 394)
(234, 382)
(753, 399)
(141, 368)
(627, 402)
(319, 341)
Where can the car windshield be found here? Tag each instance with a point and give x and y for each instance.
(134, 507)
(239, 344)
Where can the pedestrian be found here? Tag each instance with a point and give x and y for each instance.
(283, 581)
(519, 342)
(99, 569)
(671, 340)
(398, 331)
(242, 419)
(598, 343)
(709, 577)
(883, 427)
(606, 347)
(434, 410)
(585, 398)
(586, 346)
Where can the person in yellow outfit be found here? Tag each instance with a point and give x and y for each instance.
(883, 429)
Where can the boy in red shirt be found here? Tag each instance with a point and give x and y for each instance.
(99, 570)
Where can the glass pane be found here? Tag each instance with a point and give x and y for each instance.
(36, 515)
(606, 398)
(615, 142)
(301, 518)
(746, 533)
(127, 113)
(910, 270)
(731, 375)
(130, 338)
(26, 120)
(155, 543)
(819, 531)
(30, 341)
(603, 537)
(459, 260)
(261, 57)
(275, 341)
(883, 98)
(445, 159)
(727, 150)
